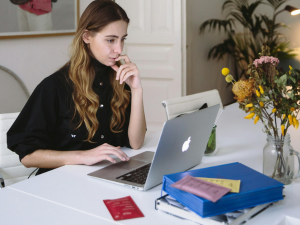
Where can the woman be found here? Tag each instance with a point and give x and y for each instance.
(84, 112)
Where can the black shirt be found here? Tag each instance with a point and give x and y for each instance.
(45, 120)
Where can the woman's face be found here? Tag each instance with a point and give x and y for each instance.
(107, 44)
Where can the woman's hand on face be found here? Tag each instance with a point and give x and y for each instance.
(128, 73)
(101, 153)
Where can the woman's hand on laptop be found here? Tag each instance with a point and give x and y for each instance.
(101, 153)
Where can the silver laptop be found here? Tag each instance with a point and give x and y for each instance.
(181, 146)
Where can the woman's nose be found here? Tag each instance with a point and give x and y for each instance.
(118, 48)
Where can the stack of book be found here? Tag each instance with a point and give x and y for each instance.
(257, 191)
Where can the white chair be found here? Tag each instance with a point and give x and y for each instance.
(11, 169)
(191, 103)
(13, 93)
(13, 96)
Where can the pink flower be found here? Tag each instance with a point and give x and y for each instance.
(266, 59)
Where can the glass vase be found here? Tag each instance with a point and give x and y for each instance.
(278, 159)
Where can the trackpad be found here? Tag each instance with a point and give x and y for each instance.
(131, 164)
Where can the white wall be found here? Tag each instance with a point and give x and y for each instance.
(33, 59)
(203, 74)
(36, 58)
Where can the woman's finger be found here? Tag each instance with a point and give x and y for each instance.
(125, 57)
(127, 76)
(108, 158)
(114, 152)
(121, 68)
(130, 71)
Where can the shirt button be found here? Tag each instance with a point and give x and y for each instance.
(101, 83)
(101, 105)
(102, 136)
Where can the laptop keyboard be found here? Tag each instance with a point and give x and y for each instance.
(137, 176)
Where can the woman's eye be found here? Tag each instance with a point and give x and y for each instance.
(124, 39)
(111, 40)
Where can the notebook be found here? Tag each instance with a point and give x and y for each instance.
(256, 189)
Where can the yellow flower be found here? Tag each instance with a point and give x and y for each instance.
(297, 125)
(274, 110)
(282, 129)
(283, 116)
(290, 72)
(261, 104)
(261, 89)
(257, 93)
(256, 119)
(290, 119)
(250, 110)
(225, 71)
(290, 67)
(229, 78)
(249, 116)
(295, 121)
(292, 109)
(249, 105)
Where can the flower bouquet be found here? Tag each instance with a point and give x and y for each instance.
(271, 96)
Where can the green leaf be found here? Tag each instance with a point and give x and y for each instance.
(282, 80)
(292, 79)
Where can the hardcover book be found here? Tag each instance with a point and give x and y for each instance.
(256, 189)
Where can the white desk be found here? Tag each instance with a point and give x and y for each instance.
(17, 208)
(239, 140)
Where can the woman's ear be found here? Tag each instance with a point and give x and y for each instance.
(86, 36)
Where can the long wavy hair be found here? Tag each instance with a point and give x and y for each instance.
(96, 16)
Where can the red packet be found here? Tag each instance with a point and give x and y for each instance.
(123, 208)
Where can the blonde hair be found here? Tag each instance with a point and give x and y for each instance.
(96, 16)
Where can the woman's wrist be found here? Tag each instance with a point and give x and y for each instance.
(137, 90)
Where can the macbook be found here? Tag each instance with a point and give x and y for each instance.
(181, 146)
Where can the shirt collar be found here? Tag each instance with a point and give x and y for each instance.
(102, 72)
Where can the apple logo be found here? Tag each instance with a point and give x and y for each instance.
(186, 144)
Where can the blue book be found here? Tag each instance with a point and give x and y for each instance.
(256, 188)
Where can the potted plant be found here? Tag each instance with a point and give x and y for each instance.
(244, 46)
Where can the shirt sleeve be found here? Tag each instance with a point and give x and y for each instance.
(35, 125)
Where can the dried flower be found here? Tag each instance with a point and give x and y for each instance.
(266, 59)
(295, 121)
(290, 119)
(282, 129)
(225, 71)
(243, 89)
(249, 116)
(264, 85)
(229, 78)
(257, 93)
(261, 89)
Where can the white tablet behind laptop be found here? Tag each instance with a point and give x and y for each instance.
(181, 146)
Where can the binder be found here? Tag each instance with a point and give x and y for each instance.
(256, 189)
(234, 218)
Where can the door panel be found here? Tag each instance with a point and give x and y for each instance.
(154, 45)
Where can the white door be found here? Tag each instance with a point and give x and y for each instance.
(154, 45)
